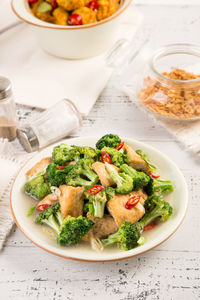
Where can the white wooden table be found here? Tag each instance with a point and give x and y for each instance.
(172, 270)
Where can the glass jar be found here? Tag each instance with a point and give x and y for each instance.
(171, 83)
(165, 83)
(8, 117)
(50, 126)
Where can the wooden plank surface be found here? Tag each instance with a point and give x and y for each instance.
(171, 271)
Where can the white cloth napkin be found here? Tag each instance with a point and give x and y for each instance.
(11, 159)
(41, 80)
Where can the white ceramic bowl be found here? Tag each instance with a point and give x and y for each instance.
(72, 42)
(21, 203)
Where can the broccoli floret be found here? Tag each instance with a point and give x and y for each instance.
(145, 157)
(99, 200)
(37, 188)
(64, 153)
(117, 158)
(82, 174)
(108, 140)
(88, 152)
(88, 207)
(129, 235)
(140, 179)
(56, 177)
(73, 229)
(123, 181)
(48, 217)
(126, 237)
(158, 187)
(57, 213)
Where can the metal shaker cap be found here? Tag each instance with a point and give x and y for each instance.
(5, 88)
(28, 139)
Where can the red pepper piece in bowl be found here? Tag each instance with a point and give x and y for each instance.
(95, 189)
(154, 175)
(54, 4)
(94, 5)
(42, 207)
(105, 157)
(32, 1)
(75, 19)
(120, 146)
(132, 201)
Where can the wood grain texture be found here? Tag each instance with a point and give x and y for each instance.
(172, 270)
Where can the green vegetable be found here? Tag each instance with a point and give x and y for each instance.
(56, 177)
(82, 174)
(140, 179)
(64, 153)
(31, 211)
(158, 187)
(48, 217)
(126, 237)
(123, 181)
(129, 235)
(44, 7)
(88, 207)
(88, 152)
(73, 229)
(117, 158)
(145, 157)
(37, 188)
(99, 200)
(108, 140)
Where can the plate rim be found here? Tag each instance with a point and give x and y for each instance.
(99, 260)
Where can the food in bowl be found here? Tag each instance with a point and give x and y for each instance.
(106, 195)
(174, 99)
(73, 12)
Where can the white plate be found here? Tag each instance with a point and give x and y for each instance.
(20, 204)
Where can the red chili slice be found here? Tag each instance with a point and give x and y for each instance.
(94, 5)
(105, 157)
(154, 175)
(95, 189)
(60, 167)
(120, 146)
(75, 19)
(42, 207)
(54, 4)
(132, 201)
(150, 226)
(32, 1)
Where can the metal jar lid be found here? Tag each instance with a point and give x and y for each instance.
(28, 139)
(5, 88)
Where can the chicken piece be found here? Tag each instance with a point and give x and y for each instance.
(50, 199)
(135, 160)
(70, 4)
(41, 165)
(106, 8)
(116, 207)
(61, 16)
(71, 200)
(87, 14)
(102, 227)
(100, 169)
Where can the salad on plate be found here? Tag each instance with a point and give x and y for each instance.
(106, 195)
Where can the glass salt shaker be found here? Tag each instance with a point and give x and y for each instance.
(8, 117)
(50, 126)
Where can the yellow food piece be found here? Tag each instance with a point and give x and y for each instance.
(61, 16)
(107, 8)
(70, 4)
(87, 14)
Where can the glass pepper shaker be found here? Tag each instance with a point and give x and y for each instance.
(8, 117)
(50, 126)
